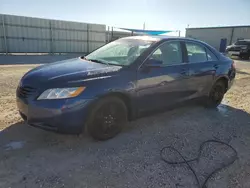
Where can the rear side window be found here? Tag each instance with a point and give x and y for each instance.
(196, 53)
(211, 56)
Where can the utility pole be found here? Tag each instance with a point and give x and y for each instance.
(144, 26)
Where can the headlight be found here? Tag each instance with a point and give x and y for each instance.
(61, 93)
(243, 47)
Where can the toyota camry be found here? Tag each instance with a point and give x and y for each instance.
(100, 92)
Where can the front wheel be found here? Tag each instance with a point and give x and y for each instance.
(107, 118)
(245, 57)
(216, 94)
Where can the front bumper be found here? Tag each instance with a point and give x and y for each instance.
(62, 115)
(237, 53)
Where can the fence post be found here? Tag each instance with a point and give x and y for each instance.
(112, 33)
(232, 35)
(107, 35)
(51, 38)
(87, 38)
(4, 36)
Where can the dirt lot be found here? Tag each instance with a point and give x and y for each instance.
(30, 157)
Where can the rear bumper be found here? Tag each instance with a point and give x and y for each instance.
(63, 115)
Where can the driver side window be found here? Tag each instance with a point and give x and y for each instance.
(169, 53)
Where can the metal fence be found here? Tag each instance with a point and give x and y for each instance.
(113, 35)
(19, 34)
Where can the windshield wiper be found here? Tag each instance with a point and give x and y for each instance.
(101, 61)
(98, 61)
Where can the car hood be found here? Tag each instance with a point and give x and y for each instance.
(68, 70)
(232, 46)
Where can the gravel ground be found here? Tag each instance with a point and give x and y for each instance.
(31, 158)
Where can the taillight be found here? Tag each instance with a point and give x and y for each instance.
(232, 72)
(233, 65)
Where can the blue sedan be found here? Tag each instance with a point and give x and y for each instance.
(100, 92)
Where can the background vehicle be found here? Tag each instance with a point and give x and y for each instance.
(241, 49)
(121, 80)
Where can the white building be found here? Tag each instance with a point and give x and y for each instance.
(213, 35)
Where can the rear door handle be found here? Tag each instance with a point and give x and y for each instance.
(216, 66)
(184, 72)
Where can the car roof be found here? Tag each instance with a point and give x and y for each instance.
(159, 38)
(247, 40)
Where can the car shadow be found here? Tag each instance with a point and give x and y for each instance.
(136, 149)
(242, 72)
(32, 138)
(29, 135)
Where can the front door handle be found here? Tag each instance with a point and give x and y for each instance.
(216, 66)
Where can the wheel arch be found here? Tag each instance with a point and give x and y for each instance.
(223, 79)
(125, 98)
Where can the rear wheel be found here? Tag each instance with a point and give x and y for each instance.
(107, 118)
(216, 94)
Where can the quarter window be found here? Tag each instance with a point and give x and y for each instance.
(196, 53)
(211, 56)
(168, 53)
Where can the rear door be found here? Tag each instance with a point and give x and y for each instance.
(165, 84)
(202, 65)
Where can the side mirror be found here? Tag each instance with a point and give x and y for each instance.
(153, 63)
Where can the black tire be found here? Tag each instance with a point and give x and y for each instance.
(216, 95)
(245, 57)
(106, 118)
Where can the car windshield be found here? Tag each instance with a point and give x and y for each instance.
(121, 52)
(242, 42)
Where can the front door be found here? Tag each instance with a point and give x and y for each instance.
(162, 79)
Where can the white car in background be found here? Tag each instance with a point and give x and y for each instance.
(241, 48)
